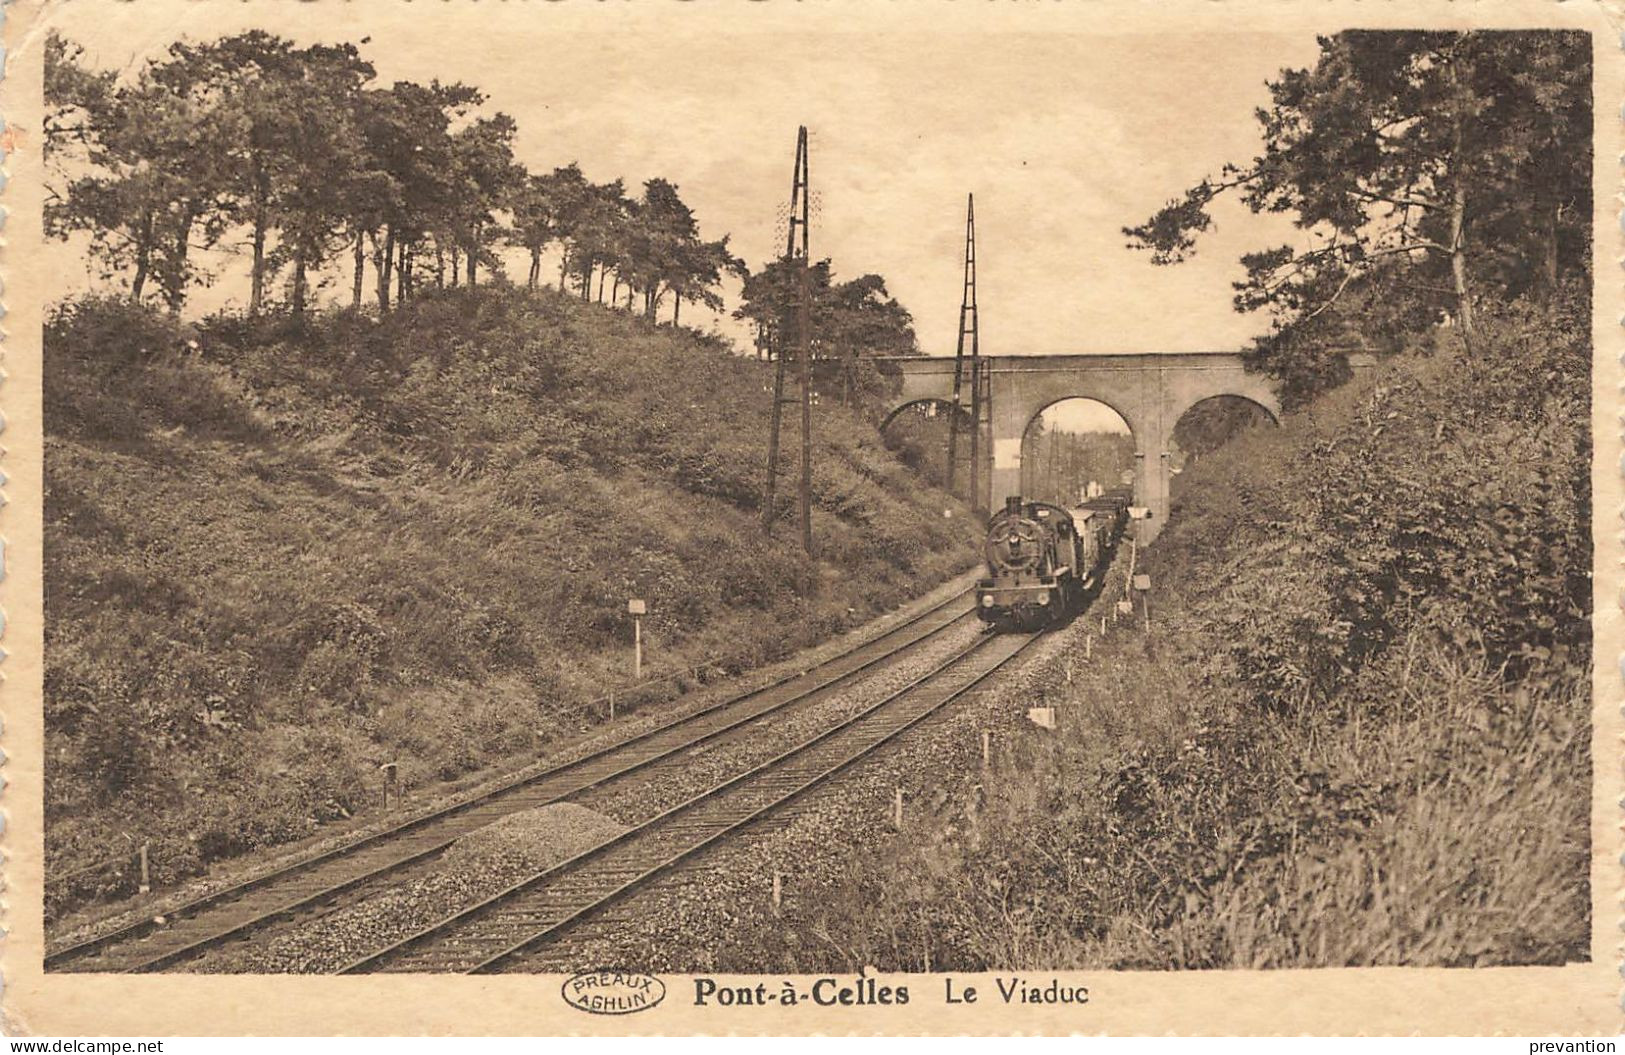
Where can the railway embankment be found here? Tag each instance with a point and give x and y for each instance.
(285, 556)
(1355, 732)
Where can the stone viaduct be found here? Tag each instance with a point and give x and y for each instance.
(1151, 391)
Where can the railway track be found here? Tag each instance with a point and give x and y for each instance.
(309, 886)
(495, 934)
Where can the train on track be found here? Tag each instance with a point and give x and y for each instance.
(1044, 561)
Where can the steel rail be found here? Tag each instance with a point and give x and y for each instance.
(139, 929)
(420, 941)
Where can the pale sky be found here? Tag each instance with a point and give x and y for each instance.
(1083, 415)
(1063, 137)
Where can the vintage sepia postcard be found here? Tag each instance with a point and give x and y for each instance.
(516, 523)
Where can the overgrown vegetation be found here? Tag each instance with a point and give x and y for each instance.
(293, 544)
(282, 552)
(918, 435)
(1357, 732)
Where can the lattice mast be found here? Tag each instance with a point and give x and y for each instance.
(967, 329)
(981, 416)
(795, 254)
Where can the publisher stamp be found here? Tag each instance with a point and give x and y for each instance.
(613, 992)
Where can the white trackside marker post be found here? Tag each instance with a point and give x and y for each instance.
(637, 609)
(987, 748)
(778, 891)
(897, 808)
(146, 873)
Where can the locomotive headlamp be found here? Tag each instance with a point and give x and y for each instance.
(987, 600)
(1043, 597)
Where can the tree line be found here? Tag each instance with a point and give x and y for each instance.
(295, 157)
(847, 321)
(1434, 173)
(1058, 465)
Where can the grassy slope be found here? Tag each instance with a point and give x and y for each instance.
(277, 560)
(1358, 732)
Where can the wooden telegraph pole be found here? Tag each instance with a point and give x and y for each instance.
(804, 340)
(795, 254)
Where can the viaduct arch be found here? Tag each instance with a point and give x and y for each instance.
(1150, 390)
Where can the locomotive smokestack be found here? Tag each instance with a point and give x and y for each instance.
(1012, 504)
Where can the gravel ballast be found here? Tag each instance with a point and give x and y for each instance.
(639, 796)
(475, 867)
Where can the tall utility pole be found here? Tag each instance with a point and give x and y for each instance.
(967, 328)
(795, 255)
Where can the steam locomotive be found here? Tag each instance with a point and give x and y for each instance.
(1044, 561)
